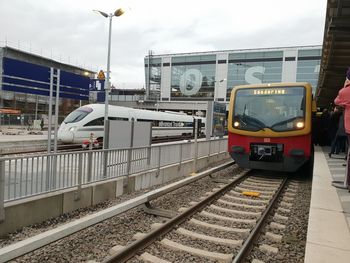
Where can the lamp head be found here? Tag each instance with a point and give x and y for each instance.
(119, 12)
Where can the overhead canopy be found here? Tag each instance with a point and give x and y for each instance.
(335, 52)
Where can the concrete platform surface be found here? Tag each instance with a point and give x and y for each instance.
(23, 137)
(328, 237)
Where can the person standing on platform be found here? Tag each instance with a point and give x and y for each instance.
(333, 128)
(343, 99)
(42, 124)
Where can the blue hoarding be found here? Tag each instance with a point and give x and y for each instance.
(24, 77)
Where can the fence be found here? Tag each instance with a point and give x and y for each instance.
(30, 175)
(24, 121)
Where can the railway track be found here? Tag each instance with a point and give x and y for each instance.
(218, 224)
(192, 236)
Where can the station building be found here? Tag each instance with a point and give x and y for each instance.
(208, 76)
(25, 86)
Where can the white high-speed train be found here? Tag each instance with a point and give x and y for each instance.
(80, 123)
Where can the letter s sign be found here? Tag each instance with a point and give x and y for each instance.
(249, 74)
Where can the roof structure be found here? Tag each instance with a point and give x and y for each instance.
(335, 52)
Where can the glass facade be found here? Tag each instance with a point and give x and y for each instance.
(308, 66)
(153, 74)
(193, 76)
(253, 68)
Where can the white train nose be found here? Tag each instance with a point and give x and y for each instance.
(65, 136)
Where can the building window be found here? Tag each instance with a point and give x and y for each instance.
(308, 66)
(253, 68)
(193, 77)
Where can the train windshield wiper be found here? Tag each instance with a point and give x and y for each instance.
(251, 121)
(286, 121)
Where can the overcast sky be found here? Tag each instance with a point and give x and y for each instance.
(69, 31)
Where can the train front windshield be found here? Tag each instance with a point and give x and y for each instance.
(77, 115)
(279, 109)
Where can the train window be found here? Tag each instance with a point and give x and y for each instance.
(117, 119)
(188, 124)
(144, 120)
(77, 115)
(96, 122)
(276, 108)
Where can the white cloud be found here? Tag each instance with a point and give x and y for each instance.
(71, 32)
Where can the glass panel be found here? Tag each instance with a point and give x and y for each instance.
(308, 70)
(77, 115)
(309, 52)
(276, 108)
(197, 80)
(178, 59)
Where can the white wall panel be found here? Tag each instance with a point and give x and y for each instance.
(165, 86)
(289, 68)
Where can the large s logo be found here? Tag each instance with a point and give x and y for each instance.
(249, 74)
(191, 82)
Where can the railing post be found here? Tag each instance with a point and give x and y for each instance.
(219, 143)
(2, 190)
(195, 146)
(54, 172)
(89, 156)
(149, 152)
(89, 171)
(159, 160)
(80, 176)
(209, 151)
(48, 171)
(129, 161)
(105, 148)
(180, 157)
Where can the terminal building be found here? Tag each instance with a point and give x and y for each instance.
(206, 76)
(187, 82)
(25, 86)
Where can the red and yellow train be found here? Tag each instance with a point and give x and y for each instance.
(269, 126)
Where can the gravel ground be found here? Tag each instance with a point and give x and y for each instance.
(94, 242)
(292, 247)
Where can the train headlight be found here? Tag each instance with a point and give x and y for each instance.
(72, 129)
(236, 124)
(300, 124)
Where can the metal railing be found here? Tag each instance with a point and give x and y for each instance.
(30, 175)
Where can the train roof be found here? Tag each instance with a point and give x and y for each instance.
(277, 84)
(141, 114)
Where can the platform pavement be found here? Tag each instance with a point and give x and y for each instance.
(328, 237)
(24, 137)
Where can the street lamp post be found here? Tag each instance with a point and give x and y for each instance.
(117, 13)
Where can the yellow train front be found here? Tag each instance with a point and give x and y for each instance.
(269, 126)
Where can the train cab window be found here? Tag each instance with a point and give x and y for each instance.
(277, 108)
(96, 122)
(77, 115)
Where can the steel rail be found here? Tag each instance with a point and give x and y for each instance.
(254, 234)
(131, 250)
